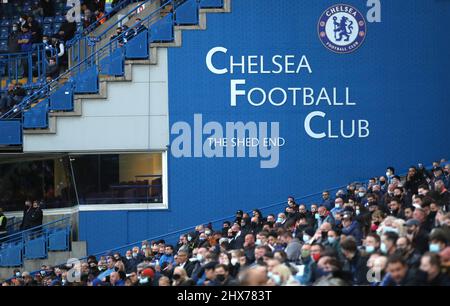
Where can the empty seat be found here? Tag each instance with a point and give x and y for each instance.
(48, 20)
(5, 23)
(3, 46)
(60, 19)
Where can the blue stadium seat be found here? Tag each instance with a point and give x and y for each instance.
(162, 30)
(48, 20)
(4, 30)
(86, 81)
(62, 98)
(36, 248)
(137, 47)
(60, 19)
(36, 117)
(47, 29)
(3, 45)
(58, 239)
(56, 27)
(11, 132)
(11, 255)
(187, 13)
(5, 23)
(39, 19)
(113, 64)
(4, 33)
(211, 3)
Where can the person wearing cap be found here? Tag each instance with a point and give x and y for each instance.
(351, 227)
(238, 216)
(146, 277)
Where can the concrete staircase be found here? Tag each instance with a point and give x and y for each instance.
(78, 250)
(104, 79)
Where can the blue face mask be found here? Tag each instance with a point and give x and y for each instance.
(370, 249)
(434, 248)
(331, 240)
(306, 238)
(279, 220)
(383, 248)
(275, 277)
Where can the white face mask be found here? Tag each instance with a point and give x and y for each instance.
(234, 261)
(199, 257)
(388, 173)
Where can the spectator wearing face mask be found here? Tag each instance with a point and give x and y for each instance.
(180, 278)
(13, 39)
(146, 277)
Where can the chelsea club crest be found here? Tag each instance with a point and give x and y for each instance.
(342, 28)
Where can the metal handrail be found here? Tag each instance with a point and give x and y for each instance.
(89, 60)
(21, 234)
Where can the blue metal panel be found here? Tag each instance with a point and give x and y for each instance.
(36, 117)
(62, 99)
(86, 81)
(114, 63)
(162, 30)
(36, 248)
(10, 132)
(137, 47)
(211, 3)
(58, 240)
(187, 13)
(11, 255)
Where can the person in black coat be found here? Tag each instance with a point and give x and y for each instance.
(26, 221)
(356, 264)
(430, 265)
(48, 8)
(36, 215)
(183, 262)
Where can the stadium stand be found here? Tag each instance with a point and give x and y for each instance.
(388, 231)
(98, 57)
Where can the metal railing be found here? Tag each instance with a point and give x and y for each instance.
(92, 60)
(31, 233)
(30, 65)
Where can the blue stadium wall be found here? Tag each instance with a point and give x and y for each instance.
(399, 79)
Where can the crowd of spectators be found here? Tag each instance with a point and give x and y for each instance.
(390, 231)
